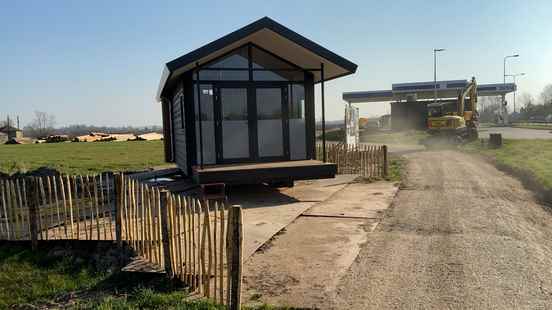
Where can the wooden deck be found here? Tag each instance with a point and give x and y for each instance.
(253, 173)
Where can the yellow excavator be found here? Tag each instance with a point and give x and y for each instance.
(454, 121)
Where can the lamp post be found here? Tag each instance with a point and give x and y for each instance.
(504, 86)
(435, 50)
(515, 91)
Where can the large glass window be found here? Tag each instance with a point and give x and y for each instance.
(277, 75)
(264, 67)
(224, 75)
(267, 67)
(236, 59)
(263, 60)
(230, 103)
(297, 129)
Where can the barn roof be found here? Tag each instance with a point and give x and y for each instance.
(7, 128)
(271, 36)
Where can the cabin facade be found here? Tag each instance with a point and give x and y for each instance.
(241, 109)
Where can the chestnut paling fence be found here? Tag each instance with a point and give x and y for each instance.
(57, 207)
(369, 161)
(195, 240)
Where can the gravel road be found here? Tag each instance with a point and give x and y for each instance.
(460, 235)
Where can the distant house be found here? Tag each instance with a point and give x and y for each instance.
(11, 132)
(3, 138)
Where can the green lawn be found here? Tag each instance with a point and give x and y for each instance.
(533, 126)
(27, 277)
(534, 156)
(42, 279)
(82, 158)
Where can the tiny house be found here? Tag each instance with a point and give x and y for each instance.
(241, 109)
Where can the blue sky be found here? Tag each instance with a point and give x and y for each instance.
(99, 62)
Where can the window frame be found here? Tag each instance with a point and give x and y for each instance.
(250, 46)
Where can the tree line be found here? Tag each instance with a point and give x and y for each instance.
(529, 109)
(44, 125)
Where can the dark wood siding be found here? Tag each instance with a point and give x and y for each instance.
(167, 133)
(189, 91)
(179, 128)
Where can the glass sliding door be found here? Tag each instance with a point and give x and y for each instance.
(297, 122)
(270, 122)
(207, 123)
(234, 125)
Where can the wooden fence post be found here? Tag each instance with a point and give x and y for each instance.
(385, 162)
(118, 188)
(165, 232)
(235, 244)
(32, 200)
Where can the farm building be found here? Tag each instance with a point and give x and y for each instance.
(242, 109)
(10, 132)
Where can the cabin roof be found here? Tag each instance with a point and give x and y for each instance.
(271, 36)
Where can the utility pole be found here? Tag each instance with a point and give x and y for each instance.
(515, 91)
(503, 108)
(435, 50)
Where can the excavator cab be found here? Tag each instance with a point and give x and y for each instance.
(455, 120)
(442, 117)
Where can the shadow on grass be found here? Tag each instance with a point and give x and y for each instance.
(62, 274)
(85, 275)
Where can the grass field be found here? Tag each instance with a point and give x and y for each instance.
(534, 156)
(27, 277)
(82, 158)
(403, 137)
(533, 126)
(38, 279)
(42, 280)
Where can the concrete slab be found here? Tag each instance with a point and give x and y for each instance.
(302, 266)
(357, 201)
(266, 211)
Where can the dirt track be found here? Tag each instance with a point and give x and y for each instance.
(461, 235)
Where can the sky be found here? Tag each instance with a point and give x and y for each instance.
(99, 62)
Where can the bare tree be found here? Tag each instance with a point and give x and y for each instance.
(489, 109)
(526, 100)
(42, 125)
(546, 95)
(4, 122)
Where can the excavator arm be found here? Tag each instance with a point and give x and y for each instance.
(469, 90)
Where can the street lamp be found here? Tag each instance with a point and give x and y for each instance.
(435, 50)
(505, 115)
(515, 91)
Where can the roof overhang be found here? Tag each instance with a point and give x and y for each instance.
(425, 90)
(271, 36)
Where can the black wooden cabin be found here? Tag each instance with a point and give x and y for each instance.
(241, 109)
